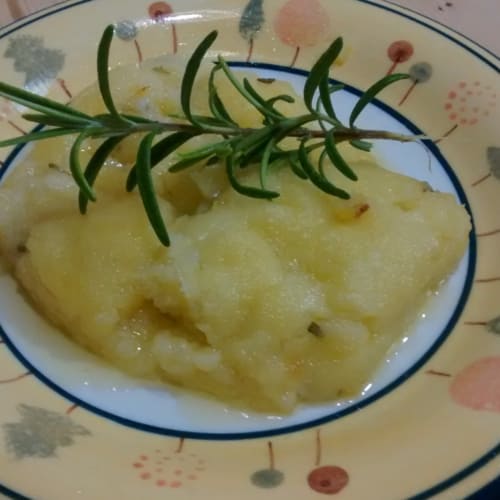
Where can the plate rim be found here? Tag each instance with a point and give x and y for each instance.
(394, 9)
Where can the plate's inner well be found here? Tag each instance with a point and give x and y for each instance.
(89, 382)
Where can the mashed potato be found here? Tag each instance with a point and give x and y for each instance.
(264, 305)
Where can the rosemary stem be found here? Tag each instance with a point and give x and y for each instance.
(238, 147)
(300, 132)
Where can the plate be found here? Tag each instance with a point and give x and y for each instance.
(429, 424)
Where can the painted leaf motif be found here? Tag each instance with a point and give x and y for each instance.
(493, 155)
(40, 432)
(252, 19)
(494, 325)
(38, 63)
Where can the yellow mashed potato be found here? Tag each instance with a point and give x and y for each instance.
(264, 305)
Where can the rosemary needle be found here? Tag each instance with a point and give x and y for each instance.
(237, 147)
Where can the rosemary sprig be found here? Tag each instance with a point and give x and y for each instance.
(237, 147)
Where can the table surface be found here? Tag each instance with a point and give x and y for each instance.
(477, 19)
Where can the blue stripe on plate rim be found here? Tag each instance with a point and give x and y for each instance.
(495, 451)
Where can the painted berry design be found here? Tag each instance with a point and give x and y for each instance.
(477, 386)
(326, 479)
(419, 73)
(161, 13)
(269, 477)
(398, 52)
(40, 432)
(159, 10)
(127, 31)
(302, 23)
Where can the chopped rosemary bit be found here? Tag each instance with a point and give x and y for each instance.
(238, 147)
(22, 248)
(315, 329)
(57, 168)
(161, 69)
(266, 80)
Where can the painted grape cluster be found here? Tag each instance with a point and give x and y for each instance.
(468, 101)
(167, 469)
